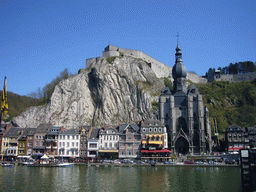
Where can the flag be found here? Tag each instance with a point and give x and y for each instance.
(4, 104)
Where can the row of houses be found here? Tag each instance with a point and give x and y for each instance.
(240, 138)
(144, 140)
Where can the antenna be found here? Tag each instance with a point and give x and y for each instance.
(177, 38)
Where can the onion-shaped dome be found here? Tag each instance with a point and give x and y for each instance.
(179, 70)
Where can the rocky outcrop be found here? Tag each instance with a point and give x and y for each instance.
(108, 92)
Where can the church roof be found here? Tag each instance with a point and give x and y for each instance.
(166, 91)
(193, 90)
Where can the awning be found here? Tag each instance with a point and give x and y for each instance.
(235, 148)
(108, 151)
(156, 151)
(23, 156)
(45, 157)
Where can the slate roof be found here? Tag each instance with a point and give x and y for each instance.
(150, 123)
(124, 126)
(54, 131)
(70, 132)
(14, 132)
(43, 128)
(166, 91)
(234, 128)
(193, 90)
(94, 133)
(106, 127)
(26, 132)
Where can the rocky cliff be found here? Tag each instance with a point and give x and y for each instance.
(112, 90)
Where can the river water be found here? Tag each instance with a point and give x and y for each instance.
(136, 178)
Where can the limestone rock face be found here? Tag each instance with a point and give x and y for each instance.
(120, 91)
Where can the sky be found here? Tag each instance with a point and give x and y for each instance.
(39, 39)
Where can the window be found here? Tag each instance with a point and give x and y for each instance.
(68, 136)
(77, 144)
(93, 145)
(23, 144)
(110, 145)
(73, 136)
(155, 129)
(36, 143)
(160, 129)
(30, 144)
(106, 145)
(150, 129)
(73, 144)
(41, 143)
(67, 144)
(60, 144)
(144, 136)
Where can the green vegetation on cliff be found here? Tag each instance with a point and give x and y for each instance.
(230, 103)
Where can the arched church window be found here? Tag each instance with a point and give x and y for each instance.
(181, 124)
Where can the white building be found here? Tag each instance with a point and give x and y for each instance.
(69, 143)
(108, 142)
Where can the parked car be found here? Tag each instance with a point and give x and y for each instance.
(128, 161)
(212, 163)
(189, 162)
(199, 162)
(117, 161)
(168, 162)
(107, 161)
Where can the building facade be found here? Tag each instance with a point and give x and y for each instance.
(84, 130)
(93, 144)
(51, 141)
(69, 143)
(39, 138)
(183, 114)
(129, 141)
(108, 142)
(236, 138)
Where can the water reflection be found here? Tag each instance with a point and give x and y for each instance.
(82, 178)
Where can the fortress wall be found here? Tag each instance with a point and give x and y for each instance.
(195, 78)
(89, 62)
(160, 69)
(244, 77)
(235, 78)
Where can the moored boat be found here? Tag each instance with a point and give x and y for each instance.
(4, 164)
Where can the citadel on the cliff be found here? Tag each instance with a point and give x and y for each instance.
(162, 70)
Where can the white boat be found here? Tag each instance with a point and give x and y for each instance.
(4, 164)
(64, 164)
(28, 163)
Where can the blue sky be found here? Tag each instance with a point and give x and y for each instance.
(39, 39)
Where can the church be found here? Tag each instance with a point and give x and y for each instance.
(184, 115)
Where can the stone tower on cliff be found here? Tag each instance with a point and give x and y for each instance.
(183, 113)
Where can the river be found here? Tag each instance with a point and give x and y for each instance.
(136, 178)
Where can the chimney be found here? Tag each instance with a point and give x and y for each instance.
(105, 126)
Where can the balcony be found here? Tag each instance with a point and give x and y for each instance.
(48, 147)
(54, 147)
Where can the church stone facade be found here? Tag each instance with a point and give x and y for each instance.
(184, 115)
